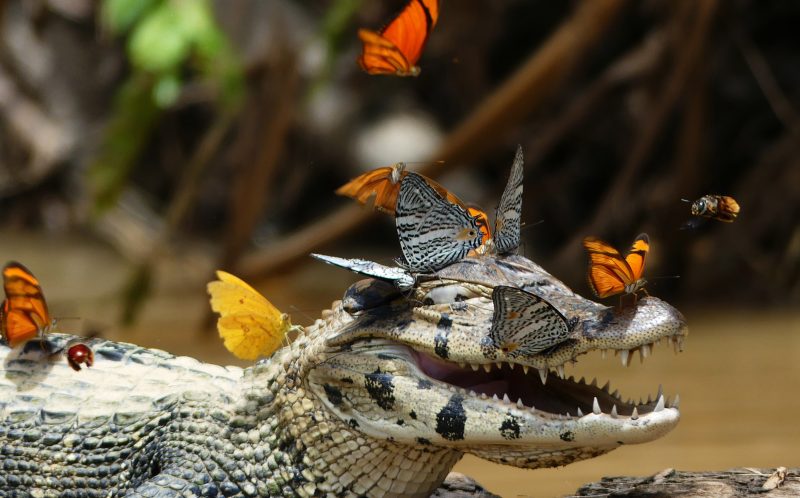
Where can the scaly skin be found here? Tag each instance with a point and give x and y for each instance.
(370, 400)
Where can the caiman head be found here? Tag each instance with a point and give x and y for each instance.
(415, 367)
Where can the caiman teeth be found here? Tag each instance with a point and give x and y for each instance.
(625, 355)
(512, 388)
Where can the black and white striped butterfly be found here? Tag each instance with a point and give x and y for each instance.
(400, 277)
(524, 323)
(506, 235)
(433, 231)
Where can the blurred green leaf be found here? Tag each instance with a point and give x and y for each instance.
(159, 44)
(167, 90)
(135, 114)
(120, 15)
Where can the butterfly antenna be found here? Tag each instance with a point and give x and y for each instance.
(526, 226)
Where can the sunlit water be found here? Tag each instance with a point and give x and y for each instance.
(738, 377)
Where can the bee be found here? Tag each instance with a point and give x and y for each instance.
(717, 207)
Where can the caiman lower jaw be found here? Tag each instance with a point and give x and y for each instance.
(539, 392)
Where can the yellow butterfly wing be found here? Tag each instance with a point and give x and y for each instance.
(249, 325)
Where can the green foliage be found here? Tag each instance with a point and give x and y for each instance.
(169, 43)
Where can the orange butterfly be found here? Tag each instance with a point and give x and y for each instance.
(384, 184)
(24, 313)
(397, 47)
(610, 273)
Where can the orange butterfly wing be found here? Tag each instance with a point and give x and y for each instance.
(609, 273)
(383, 183)
(25, 312)
(397, 48)
(635, 258)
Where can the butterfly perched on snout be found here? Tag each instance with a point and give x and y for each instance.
(507, 223)
(609, 273)
(524, 324)
(249, 325)
(24, 313)
(433, 231)
(395, 49)
(384, 184)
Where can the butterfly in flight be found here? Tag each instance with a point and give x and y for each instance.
(717, 207)
(396, 48)
(249, 325)
(524, 323)
(506, 235)
(384, 184)
(433, 231)
(24, 314)
(610, 273)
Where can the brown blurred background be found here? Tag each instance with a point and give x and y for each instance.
(144, 143)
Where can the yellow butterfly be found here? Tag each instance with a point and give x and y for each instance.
(249, 324)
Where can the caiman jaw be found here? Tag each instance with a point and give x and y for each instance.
(546, 394)
(422, 371)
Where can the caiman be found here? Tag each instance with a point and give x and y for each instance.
(380, 397)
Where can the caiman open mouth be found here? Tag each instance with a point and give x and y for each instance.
(525, 388)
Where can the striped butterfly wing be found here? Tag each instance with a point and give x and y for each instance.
(433, 232)
(525, 324)
(25, 313)
(400, 277)
(507, 221)
(397, 48)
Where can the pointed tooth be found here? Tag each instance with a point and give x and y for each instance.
(676, 401)
(499, 365)
(649, 399)
(625, 355)
(583, 380)
(525, 369)
(484, 396)
(520, 405)
(543, 375)
(614, 411)
(603, 354)
(533, 410)
(462, 364)
(594, 382)
(568, 415)
(473, 393)
(505, 398)
(635, 414)
(606, 386)
(660, 391)
(475, 367)
(615, 393)
(571, 378)
(487, 367)
(511, 366)
(660, 404)
(596, 406)
(580, 412)
(676, 347)
(494, 397)
(560, 371)
(680, 344)
(646, 351)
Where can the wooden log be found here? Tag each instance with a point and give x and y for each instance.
(773, 483)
